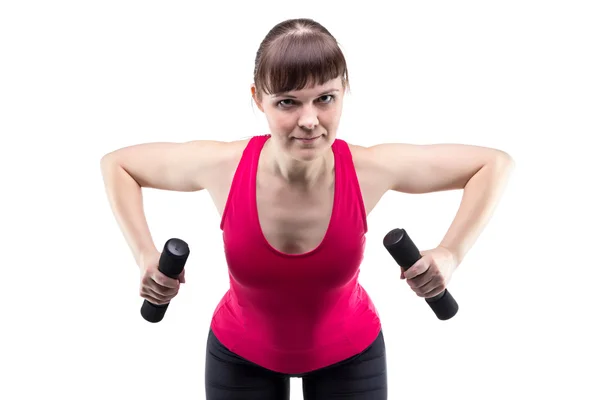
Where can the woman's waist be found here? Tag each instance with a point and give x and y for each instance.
(304, 323)
(293, 334)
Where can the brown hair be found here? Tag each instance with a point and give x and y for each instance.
(296, 53)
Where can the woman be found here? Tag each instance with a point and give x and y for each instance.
(294, 206)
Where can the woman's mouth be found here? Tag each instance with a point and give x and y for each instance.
(307, 140)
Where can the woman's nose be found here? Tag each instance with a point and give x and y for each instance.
(308, 120)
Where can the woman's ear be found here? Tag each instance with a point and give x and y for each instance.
(255, 97)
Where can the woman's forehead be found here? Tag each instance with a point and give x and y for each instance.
(314, 90)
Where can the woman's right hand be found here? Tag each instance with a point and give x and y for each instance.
(155, 286)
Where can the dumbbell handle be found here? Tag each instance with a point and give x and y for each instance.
(406, 254)
(171, 263)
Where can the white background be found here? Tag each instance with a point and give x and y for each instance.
(79, 79)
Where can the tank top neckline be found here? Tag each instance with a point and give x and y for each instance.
(336, 188)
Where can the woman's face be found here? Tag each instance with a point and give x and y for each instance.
(311, 113)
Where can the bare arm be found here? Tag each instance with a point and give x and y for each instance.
(481, 172)
(184, 167)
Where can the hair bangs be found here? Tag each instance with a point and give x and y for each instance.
(300, 59)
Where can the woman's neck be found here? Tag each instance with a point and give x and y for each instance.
(299, 173)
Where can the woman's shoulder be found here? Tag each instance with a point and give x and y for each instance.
(362, 156)
(232, 151)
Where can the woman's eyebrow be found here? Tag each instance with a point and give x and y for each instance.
(294, 97)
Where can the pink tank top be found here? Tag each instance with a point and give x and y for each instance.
(295, 313)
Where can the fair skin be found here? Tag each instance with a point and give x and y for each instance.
(307, 113)
(295, 184)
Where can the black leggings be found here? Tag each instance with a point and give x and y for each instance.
(231, 377)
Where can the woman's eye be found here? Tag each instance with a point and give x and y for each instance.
(285, 100)
(290, 100)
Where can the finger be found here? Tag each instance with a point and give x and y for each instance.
(416, 269)
(160, 297)
(164, 280)
(153, 297)
(159, 292)
(164, 290)
(182, 277)
(418, 286)
(426, 289)
(434, 292)
(419, 281)
(148, 282)
(155, 301)
(432, 272)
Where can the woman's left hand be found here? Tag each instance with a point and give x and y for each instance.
(431, 274)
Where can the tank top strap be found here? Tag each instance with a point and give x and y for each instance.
(352, 194)
(245, 174)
